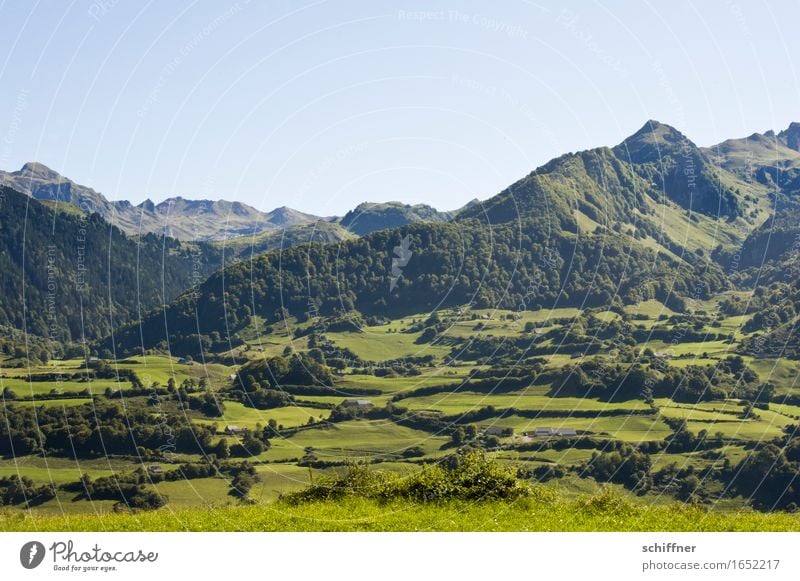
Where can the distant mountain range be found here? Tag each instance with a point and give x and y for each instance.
(196, 220)
(655, 217)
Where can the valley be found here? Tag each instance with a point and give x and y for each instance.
(620, 319)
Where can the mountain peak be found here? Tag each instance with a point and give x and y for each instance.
(657, 129)
(285, 216)
(651, 143)
(39, 170)
(148, 205)
(791, 135)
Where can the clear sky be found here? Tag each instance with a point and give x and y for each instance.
(322, 105)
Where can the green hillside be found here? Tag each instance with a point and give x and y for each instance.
(70, 276)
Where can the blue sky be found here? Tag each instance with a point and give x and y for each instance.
(322, 105)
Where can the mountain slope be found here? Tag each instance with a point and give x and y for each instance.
(70, 277)
(746, 155)
(767, 159)
(40, 182)
(246, 247)
(790, 136)
(586, 229)
(678, 168)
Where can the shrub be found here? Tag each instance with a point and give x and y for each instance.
(466, 476)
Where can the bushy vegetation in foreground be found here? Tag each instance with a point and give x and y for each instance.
(465, 477)
(471, 494)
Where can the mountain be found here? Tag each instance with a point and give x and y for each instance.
(71, 277)
(653, 217)
(246, 247)
(790, 136)
(776, 241)
(747, 155)
(371, 217)
(681, 170)
(764, 158)
(188, 220)
(40, 182)
(603, 227)
(176, 217)
(215, 219)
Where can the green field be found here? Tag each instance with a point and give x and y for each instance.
(246, 417)
(363, 438)
(603, 512)
(404, 425)
(634, 429)
(531, 399)
(378, 344)
(61, 470)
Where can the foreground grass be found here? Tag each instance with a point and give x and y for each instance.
(605, 511)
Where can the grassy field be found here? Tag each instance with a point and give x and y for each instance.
(363, 438)
(379, 344)
(151, 369)
(605, 511)
(246, 417)
(61, 470)
(625, 428)
(531, 399)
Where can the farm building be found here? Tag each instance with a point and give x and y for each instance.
(546, 432)
(232, 430)
(185, 361)
(155, 469)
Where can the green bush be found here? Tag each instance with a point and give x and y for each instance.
(467, 476)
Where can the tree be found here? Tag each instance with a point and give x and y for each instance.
(212, 405)
(222, 449)
(458, 436)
